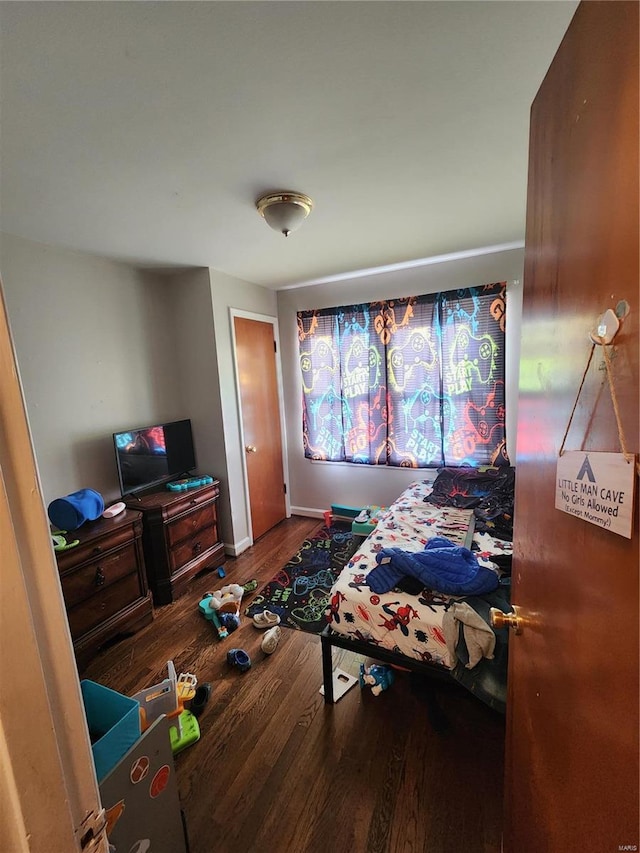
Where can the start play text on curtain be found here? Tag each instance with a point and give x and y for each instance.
(415, 381)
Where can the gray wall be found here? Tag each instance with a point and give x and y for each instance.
(189, 301)
(314, 486)
(227, 293)
(200, 304)
(102, 346)
(95, 354)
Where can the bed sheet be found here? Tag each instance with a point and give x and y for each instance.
(399, 621)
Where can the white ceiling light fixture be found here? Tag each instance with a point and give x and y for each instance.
(284, 211)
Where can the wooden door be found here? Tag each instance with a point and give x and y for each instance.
(572, 725)
(48, 789)
(257, 379)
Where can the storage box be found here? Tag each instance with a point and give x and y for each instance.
(114, 724)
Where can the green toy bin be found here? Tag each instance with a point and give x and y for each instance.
(114, 724)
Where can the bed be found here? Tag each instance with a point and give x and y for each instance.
(420, 628)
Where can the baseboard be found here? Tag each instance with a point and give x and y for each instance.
(308, 512)
(235, 549)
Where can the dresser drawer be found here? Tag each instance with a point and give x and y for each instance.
(190, 500)
(180, 537)
(196, 520)
(93, 548)
(190, 548)
(91, 577)
(103, 604)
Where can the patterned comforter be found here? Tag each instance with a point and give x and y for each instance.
(400, 621)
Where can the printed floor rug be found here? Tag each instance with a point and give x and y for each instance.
(299, 593)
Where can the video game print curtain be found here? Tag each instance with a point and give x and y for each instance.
(415, 381)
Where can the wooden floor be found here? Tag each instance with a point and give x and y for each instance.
(276, 770)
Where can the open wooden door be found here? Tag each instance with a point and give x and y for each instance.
(261, 425)
(572, 727)
(49, 798)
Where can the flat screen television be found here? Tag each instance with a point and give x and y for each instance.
(148, 456)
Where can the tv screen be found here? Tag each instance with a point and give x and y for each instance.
(151, 455)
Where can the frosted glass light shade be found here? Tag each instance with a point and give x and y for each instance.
(284, 211)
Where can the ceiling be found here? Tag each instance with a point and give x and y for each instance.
(145, 131)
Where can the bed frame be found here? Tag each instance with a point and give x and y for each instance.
(453, 482)
(329, 639)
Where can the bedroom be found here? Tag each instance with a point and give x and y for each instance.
(164, 378)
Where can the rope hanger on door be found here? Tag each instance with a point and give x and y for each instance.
(600, 340)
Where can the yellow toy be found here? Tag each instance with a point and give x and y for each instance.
(168, 697)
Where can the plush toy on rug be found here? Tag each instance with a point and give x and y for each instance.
(378, 677)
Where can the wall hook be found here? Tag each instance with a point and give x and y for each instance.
(606, 328)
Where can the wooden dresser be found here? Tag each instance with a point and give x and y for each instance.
(104, 582)
(180, 537)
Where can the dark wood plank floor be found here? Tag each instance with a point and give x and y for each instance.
(276, 770)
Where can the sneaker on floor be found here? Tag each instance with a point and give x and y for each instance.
(200, 699)
(239, 658)
(270, 640)
(266, 619)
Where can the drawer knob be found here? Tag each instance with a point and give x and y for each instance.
(197, 548)
(99, 576)
(97, 550)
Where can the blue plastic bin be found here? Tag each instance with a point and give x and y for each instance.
(114, 724)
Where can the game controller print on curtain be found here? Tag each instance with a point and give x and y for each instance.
(411, 382)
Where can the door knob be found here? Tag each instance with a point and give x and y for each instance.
(250, 448)
(513, 620)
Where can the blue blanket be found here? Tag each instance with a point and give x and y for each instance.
(442, 566)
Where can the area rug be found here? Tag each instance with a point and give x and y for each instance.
(299, 593)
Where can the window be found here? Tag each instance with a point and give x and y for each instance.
(415, 382)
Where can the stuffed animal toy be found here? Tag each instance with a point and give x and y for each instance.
(227, 599)
(378, 677)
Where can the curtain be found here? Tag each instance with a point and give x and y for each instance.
(415, 381)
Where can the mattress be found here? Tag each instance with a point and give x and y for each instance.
(399, 621)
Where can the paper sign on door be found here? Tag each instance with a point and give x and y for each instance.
(598, 488)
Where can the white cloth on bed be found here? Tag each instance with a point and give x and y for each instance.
(479, 637)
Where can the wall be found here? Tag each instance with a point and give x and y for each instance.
(228, 292)
(198, 302)
(95, 354)
(197, 362)
(313, 486)
(102, 346)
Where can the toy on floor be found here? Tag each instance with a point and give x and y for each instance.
(222, 630)
(212, 615)
(230, 621)
(227, 599)
(366, 522)
(378, 677)
(168, 697)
